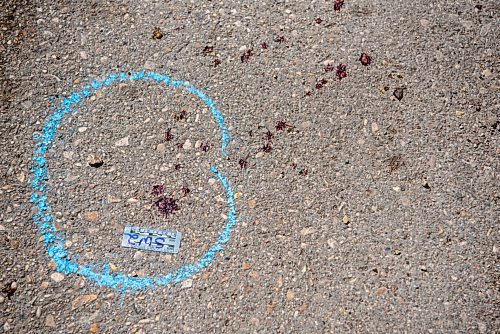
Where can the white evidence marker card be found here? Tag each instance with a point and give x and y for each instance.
(151, 239)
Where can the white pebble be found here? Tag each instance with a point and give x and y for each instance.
(187, 145)
(122, 142)
(57, 277)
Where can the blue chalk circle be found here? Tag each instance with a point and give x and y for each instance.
(54, 240)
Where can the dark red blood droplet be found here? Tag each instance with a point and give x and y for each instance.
(168, 135)
(282, 125)
(365, 59)
(166, 205)
(341, 71)
(246, 56)
(267, 148)
(338, 5)
(185, 191)
(158, 190)
(243, 163)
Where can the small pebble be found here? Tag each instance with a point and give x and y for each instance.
(112, 199)
(398, 93)
(92, 216)
(50, 321)
(307, 231)
(487, 72)
(187, 145)
(94, 328)
(187, 284)
(94, 160)
(305, 125)
(83, 300)
(252, 203)
(122, 142)
(485, 29)
(68, 155)
(246, 266)
(161, 147)
(346, 220)
(254, 275)
(57, 277)
(381, 291)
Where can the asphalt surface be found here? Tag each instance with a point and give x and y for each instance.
(366, 188)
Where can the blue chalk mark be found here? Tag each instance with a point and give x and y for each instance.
(54, 240)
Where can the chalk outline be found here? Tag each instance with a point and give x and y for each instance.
(54, 241)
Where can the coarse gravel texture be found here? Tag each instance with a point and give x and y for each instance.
(363, 213)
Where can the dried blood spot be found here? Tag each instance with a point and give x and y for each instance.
(303, 172)
(338, 5)
(217, 62)
(264, 45)
(280, 39)
(321, 83)
(168, 135)
(9, 290)
(205, 147)
(365, 59)
(309, 93)
(268, 135)
(181, 116)
(341, 71)
(167, 205)
(246, 56)
(243, 163)
(318, 20)
(267, 148)
(282, 125)
(177, 166)
(158, 190)
(207, 50)
(329, 68)
(185, 191)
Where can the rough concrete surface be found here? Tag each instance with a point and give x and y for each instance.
(367, 199)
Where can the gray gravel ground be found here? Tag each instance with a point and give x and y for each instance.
(369, 214)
